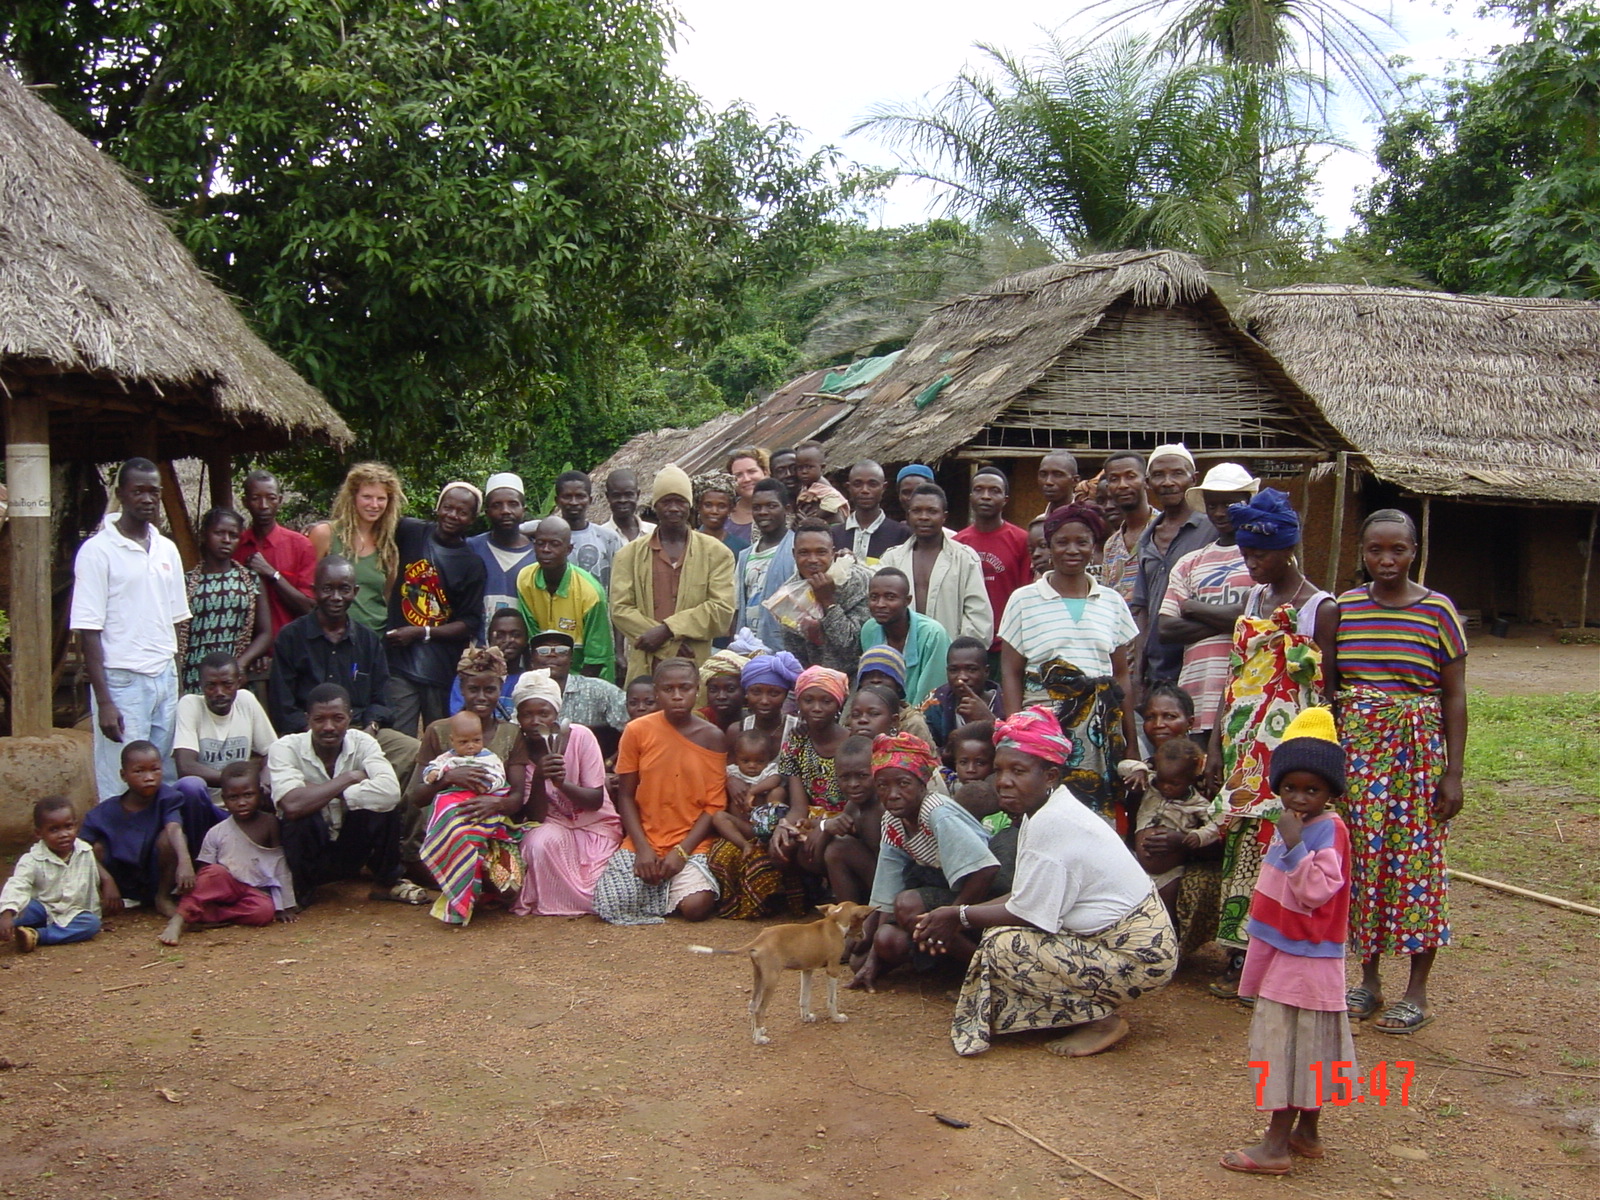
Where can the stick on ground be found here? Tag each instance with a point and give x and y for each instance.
(1046, 1146)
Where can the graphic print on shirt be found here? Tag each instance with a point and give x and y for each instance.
(422, 597)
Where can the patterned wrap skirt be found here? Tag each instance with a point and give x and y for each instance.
(1394, 749)
(1023, 978)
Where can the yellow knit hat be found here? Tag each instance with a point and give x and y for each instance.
(1313, 723)
(1310, 743)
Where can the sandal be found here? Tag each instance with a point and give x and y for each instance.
(26, 938)
(1238, 1160)
(1410, 1017)
(1361, 1002)
(1226, 985)
(404, 892)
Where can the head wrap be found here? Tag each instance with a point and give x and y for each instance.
(1089, 518)
(536, 685)
(903, 752)
(504, 479)
(885, 658)
(481, 660)
(835, 683)
(746, 642)
(1266, 522)
(714, 481)
(914, 469)
(1034, 731)
(1310, 743)
(465, 487)
(1176, 449)
(723, 662)
(1087, 489)
(671, 480)
(777, 670)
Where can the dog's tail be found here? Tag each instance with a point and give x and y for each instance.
(708, 950)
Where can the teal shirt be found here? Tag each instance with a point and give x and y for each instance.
(926, 647)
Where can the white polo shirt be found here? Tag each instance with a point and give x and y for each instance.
(133, 596)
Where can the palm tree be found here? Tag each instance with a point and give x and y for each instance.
(1106, 147)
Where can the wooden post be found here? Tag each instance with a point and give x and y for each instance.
(1588, 561)
(1422, 552)
(219, 470)
(28, 481)
(178, 515)
(1341, 472)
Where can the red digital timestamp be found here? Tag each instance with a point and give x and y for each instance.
(1347, 1087)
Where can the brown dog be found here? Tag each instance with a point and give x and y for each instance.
(817, 946)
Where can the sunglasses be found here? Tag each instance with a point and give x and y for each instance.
(551, 651)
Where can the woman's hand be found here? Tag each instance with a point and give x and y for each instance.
(1447, 797)
(783, 840)
(554, 769)
(738, 797)
(465, 779)
(937, 929)
(481, 808)
(671, 862)
(646, 865)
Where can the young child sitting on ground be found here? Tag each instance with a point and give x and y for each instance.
(757, 799)
(1299, 916)
(1173, 801)
(53, 896)
(146, 837)
(466, 750)
(850, 853)
(244, 878)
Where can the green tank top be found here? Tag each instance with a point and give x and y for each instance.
(371, 605)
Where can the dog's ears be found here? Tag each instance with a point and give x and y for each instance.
(825, 909)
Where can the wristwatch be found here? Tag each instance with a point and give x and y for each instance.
(961, 916)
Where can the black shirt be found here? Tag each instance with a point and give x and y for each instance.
(885, 537)
(436, 584)
(303, 658)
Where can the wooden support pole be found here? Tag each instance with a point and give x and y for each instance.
(219, 471)
(1422, 553)
(28, 481)
(178, 515)
(1341, 473)
(1588, 561)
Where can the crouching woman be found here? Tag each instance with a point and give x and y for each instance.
(1082, 931)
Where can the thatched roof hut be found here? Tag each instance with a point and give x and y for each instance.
(1476, 397)
(1114, 351)
(105, 314)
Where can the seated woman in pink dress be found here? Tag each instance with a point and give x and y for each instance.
(558, 770)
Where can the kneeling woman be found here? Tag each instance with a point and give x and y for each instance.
(932, 852)
(1082, 931)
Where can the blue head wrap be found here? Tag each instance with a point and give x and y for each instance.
(1266, 522)
(915, 469)
(779, 670)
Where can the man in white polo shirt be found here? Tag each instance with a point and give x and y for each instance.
(127, 599)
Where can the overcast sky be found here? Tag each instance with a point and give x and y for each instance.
(824, 64)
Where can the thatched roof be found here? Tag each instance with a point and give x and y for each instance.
(646, 453)
(1445, 395)
(1008, 343)
(103, 311)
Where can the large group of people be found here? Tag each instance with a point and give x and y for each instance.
(1051, 753)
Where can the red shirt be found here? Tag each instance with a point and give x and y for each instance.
(1006, 563)
(287, 551)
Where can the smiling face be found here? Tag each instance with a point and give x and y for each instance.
(1038, 552)
(1168, 478)
(552, 545)
(479, 695)
(220, 687)
(263, 499)
(622, 495)
(1164, 718)
(900, 793)
(57, 828)
(871, 715)
(334, 588)
(1388, 550)
(865, 485)
(813, 552)
(1072, 549)
(509, 634)
(505, 510)
(783, 470)
(1022, 781)
(746, 474)
(765, 699)
(457, 509)
(1305, 793)
(888, 599)
(714, 509)
(139, 494)
(371, 502)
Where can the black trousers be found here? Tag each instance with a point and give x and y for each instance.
(366, 839)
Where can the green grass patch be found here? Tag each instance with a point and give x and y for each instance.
(1535, 741)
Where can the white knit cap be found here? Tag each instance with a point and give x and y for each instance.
(504, 479)
(536, 685)
(1177, 449)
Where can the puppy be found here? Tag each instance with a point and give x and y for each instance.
(804, 948)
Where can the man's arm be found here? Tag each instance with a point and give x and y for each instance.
(599, 654)
(627, 613)
(977, 614)
(379, 787)
(296, 797)
(842, 622)
(282, 705)
(108, 716)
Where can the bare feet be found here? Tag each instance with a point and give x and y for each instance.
(1091, 1037)
(174, 930)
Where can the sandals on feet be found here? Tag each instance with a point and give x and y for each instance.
(1238, 1160)
(1362, 1002)
(404, 892)
(1226, 985)
(1409, 1016)
(26, 938)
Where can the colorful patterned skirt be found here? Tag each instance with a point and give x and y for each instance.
(753, 883)
(1090, 711)
(462, 854)
(1023, 978)
(1243, 848)
(1394, 748)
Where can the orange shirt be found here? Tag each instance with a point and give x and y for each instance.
(678, 780)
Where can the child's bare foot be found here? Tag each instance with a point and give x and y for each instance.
(26, 939)
(174, 930)
(1256, 1160)
(1091, 1037)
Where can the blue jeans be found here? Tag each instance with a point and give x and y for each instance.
(149, 708)
(80, 929)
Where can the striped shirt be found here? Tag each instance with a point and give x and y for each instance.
(1397, 649)
(1039, 625)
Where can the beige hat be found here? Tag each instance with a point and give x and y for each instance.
(672, 480)
(1226, 477)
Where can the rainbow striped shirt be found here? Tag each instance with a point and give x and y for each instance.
(1397, 649)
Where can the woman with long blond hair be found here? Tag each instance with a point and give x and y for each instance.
(366, 512)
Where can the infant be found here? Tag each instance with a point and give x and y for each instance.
(756, 797)
(1172, 800)
(466, 750)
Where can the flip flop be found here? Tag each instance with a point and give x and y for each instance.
(26, 938)
(404, 892)
(1361, 1002)
(1306, 1149)
(1238, 1160)
(1411, 1018)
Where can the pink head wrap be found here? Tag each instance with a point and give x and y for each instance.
(1034, 731)
(835, 683)
(903, 752)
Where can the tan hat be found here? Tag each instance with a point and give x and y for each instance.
(672, 480)
(1228, 478)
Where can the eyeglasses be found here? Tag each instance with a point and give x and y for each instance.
(551, 651)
